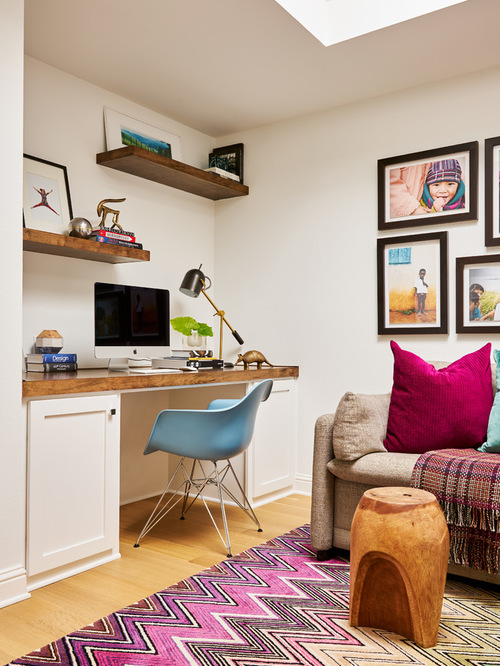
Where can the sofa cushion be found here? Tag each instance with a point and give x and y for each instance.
(438, 409)
(360, 425)
(376, 469)
(492, 444)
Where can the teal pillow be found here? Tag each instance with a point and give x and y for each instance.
(492, 443)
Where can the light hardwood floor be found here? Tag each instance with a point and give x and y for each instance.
(174, 550)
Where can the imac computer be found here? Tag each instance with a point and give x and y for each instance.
(131, 324)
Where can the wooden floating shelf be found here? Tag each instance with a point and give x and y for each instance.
(80, 248)
(145, 164)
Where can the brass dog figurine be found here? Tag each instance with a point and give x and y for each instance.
(104, 211)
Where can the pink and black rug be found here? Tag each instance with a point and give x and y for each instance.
(273, 604)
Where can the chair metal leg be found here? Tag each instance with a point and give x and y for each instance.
(220, 486)
(215, 477)
(248, 508)
(164, 506)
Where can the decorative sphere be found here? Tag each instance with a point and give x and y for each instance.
(80, 227)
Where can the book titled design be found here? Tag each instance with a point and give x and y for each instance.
(51, 358)
(51, 367)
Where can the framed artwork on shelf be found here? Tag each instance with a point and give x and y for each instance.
(228, 158)
(428, 187)
(412, 283)
(46, 196)
(492, 191)
(478, 294)
(122, 130)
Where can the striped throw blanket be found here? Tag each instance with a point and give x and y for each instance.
(467, 486)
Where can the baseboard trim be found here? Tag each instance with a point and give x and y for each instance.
(13, 586)
(303, 484)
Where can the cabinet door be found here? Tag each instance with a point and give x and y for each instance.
(273, 450)
(73, 478)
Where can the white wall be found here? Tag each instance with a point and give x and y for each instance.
(296, 259)
(12, 437)
(64, 124)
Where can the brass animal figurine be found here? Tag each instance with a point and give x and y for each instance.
(104, 211)
(253, 356)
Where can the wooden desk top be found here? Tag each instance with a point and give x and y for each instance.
(100, 379)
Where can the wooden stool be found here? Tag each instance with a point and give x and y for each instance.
(399, 555)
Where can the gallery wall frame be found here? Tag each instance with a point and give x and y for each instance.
(46, 195)
(492, 191)
(409, 302)
(407, 183)
(122, 130)
(478, 275)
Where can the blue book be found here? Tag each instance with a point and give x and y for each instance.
(51, 358)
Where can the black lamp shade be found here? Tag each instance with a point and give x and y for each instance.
(192, 283)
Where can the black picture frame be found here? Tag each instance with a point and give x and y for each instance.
(400, 181)
(399, 261)
(480, 274)
(44, 209)
(229, 158)
(492, 191)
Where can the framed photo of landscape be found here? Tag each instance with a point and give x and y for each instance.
(478, 294)
(122, 130)
(492, 191)
(428, 187)
(46, 196)
(412, 284)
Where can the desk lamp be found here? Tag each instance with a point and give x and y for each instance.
(195, 282)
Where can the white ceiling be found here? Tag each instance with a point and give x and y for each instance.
(223, 66)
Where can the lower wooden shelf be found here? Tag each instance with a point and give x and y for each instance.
(80, 248)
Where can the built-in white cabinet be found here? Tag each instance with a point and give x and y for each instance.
(271, 457)
(73, 485)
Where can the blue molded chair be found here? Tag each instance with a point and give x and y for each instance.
(215, 434)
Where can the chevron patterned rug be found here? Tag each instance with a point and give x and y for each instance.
(273, 604)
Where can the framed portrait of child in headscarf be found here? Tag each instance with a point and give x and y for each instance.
(421, 189)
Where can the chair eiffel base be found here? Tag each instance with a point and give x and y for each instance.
(196, 485)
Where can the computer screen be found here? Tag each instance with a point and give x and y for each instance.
(130, 323)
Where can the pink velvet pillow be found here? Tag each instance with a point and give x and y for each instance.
(439, 409)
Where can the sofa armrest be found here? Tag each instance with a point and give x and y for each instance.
(322, 485)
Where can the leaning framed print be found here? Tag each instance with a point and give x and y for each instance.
(122, 130)
(478, 294)
(228, 158)
(46, 197)
(492, 191)
(412, 284)
(428, 187)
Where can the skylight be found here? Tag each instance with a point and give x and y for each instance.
(333, 21)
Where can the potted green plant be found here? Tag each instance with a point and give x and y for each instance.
(193, 331)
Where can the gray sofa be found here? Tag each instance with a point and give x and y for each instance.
(349, 458)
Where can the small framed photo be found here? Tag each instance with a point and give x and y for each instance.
(122, 130)
(412, 284)
(46, 196)
(228, 158)
(492, 191)
(478, 294)
(429, 187)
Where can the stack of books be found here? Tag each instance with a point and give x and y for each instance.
(187, 360)
(51, 362)
(108, 235)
